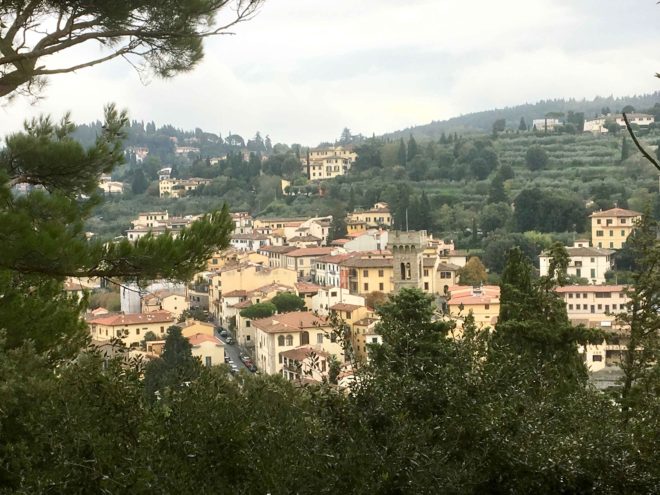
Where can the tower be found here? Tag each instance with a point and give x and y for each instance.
(407, 249)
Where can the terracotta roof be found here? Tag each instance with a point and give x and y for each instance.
(616, 212)
(289, 322)
(301, 353)
(277, 249)
(307, 288)
(368, 263)
(135, 319)
(244, 304)
(340, 242)
(335, 258)
(198, 338)
(313, 251)
(235, 293)
(191, 323)
(345, 307)
(429, 262)
(448, 267)
(590, 288)
(585, 251)
(304, 238)
(250, 237)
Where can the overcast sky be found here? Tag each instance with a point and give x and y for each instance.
(304, 69)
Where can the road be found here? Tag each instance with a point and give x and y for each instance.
(233, 352)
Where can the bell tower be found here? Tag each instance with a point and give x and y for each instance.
(407, 249)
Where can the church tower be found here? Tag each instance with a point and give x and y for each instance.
(407, 249)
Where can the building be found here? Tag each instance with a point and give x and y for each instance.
(301, 260)
(243, 222)
(328, 163)
(248, 242)
(131, 328)
(284, 332)
(367, 240)
(326, 270)
(327, 297)
(639, 119)
(595, 126)
(177, 188)
(275, 254)
(377, 217)
(368, 273)
(209, 349)
(584, 262)
(545, 124)
(610, 229)
(175, 302)
(407, 252)
(483, 302)
(109, 187)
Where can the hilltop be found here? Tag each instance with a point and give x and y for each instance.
(482, 121)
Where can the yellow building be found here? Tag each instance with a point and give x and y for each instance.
(209, 349)
(194, 327)
(361, 321)
(328, 163)
(483, 302)
(165, 300)
(378, 216)
(131, 328)
(611, 228)
(283, 332)
(367, 274)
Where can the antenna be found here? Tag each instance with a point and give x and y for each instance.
(406, 219)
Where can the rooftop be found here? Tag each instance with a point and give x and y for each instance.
(312, 251)
(134, 319)
(616, 212)
(301, 353)
(289, 322)
(345, 307)
(199, 338)
(590, 288)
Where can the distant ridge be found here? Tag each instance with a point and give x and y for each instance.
(483, 121)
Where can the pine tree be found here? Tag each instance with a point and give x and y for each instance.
(140, 183)
(523, 125)
(402, 153)
(412, 148)
(425, 220)
(496, 192)
(625, 149)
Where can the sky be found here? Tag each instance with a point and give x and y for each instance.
(302, 70)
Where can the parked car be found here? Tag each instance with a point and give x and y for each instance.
(230, 340)
(244, 357)
(223, 333)
(252, 367)
(233, 368)
(227, 359)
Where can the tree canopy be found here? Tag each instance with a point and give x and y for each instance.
(162, 37)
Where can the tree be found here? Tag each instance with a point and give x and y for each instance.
(473, 273)
(402, 153)
(412, 148)
(174, 368)
(625, 149)
(628, 109)
(286, 302)
(640, 321)
(259, 310)
(164, 38)
(499, 126)
(494, 216)
(346, 137)
(536, 158)
(375, 299)
(523, 125)
(140, 183)
(496, 191)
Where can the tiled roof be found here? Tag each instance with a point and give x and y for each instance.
(304, 238)
(135, 319)
(616, 212)
(198, 338)
(289, 322)
(448, 267)
(277, 249)
(368, 263)
(250, 237)
(301, 353)
(312, 251)
(590, 288)
(345, 307)
(235, 293)
(335, 258)
(307, 288)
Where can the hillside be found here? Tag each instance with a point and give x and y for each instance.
(483, 121)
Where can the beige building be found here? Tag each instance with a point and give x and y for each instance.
(284, 332)
(131, 328)
(376, 217)
(209, 349)
(610, 229)
(328, 163)
(177, 188)
(368, 273)
(483, 302)
(165, 300)
(584, 262)
(301, 260)
(194, 327)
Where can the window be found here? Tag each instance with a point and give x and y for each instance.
(426, 286)
(248, 324)
(323, 366)
(333, 293)
(597, 358)
(570, 295)
(366, 287)
(137, 331)
(611, 244)
(623, 233)
(570, 306)
(426, 272)
(593, 260)
(600, 306)
(578, 272)
(445, 274)
(208, 360)
(608, 221)
(611, 233)
(623, 220)
(365, 273)
(333, 337)
(381, 286)
(289, 340)
(381, 273)
(598, 221)
(593, 273)
(599, 233)
(280, 340)
(247, 337)
(319, 338)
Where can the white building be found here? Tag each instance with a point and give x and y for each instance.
(585, 262)
(327, 297)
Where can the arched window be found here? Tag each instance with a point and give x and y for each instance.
(408, 274)
(403, 271)
(280, 340)
(289, 340)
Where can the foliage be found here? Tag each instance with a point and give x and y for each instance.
(286, 302)
(166, 38)
(536, 158)
(259, 310)
(473, 273)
